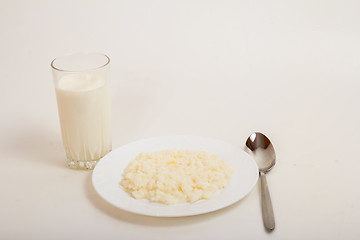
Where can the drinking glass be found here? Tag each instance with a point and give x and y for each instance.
(83, 99)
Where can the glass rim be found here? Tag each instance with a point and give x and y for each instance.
(76, 71)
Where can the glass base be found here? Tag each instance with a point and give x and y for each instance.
(81, 165)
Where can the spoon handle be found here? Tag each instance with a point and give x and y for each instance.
(266, 206)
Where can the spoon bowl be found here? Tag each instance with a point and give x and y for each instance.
(262, 150)
(264, 154)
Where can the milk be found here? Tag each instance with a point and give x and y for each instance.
(84, 111)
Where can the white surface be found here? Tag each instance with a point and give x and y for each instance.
(220, 69)
(108, 174)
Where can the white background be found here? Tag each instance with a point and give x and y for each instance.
(220, 69)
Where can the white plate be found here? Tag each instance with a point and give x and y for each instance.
(108, 173)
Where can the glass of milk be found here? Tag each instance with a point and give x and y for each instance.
(83, 98)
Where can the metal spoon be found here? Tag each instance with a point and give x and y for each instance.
(264, 154)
